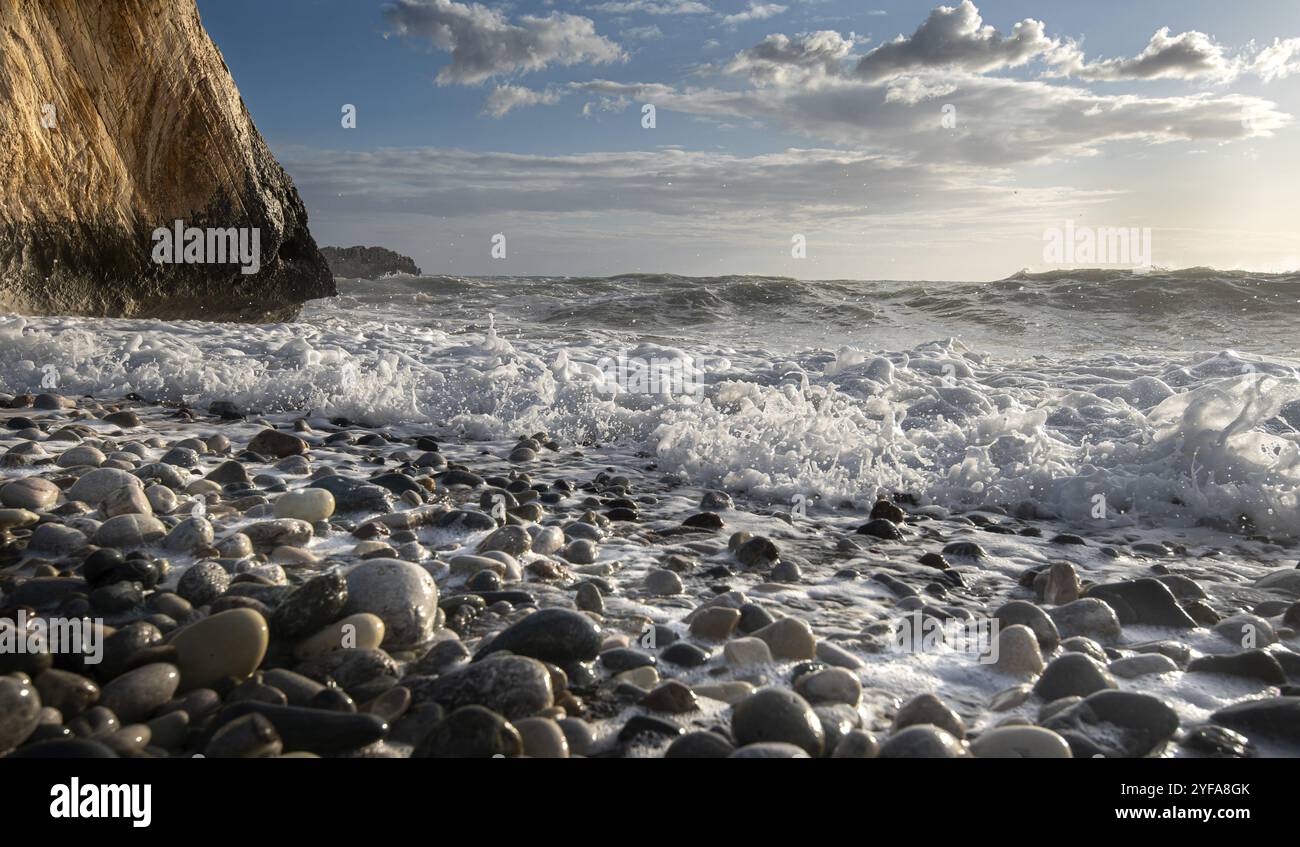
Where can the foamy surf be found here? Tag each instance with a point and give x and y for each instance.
(806, 407)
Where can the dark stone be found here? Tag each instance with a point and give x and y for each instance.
(1217, 741)
(471, 732)
(64, 748)
(250, 736)
(1116, 724)
(699, 745)
(881, 528)
(704, 520)
(1068, 538)
(1072, 674)
(1249, 664)
(313, 730)
(552, 635)
(625, 659)
(935, 560)
(644, 725)
(964, 549)
(777, 714)
(684, 655)
(1143, 601)
(922, 742)
(885, 510)
(352, 495)
(1274, 717)
(515, 686)
(317, 602)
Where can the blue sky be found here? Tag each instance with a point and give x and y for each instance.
(776, 120)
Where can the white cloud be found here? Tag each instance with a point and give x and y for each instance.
(956, 38)
(653, 7)
(1187, 55)
(506, 97)
(814, 185)
(643, 33)
(780, 59)
(755, 12)
(999, 121)
(1279, 60)
(483, 43)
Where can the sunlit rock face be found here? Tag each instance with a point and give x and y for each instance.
(122, 119)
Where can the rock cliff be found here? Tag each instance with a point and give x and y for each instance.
(367, 262)
(120, 119)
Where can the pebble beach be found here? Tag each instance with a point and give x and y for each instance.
(279, 585)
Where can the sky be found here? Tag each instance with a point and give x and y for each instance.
(818, 139)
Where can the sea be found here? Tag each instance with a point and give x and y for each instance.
(1100, 398)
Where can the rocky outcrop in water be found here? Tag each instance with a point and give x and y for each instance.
(367, 262)
(122, 119)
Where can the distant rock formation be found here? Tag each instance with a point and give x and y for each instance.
(120, 119)
(367, 262)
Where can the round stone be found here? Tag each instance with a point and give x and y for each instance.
(202, 583)
(543, 738)
(929, 709)
(770, 750)
(364, 631)
(16, 518)
(68, 692)
(1018, 651)
(715, 623)
(1072, 674)
(1147, 664)
(228, 644)
(588, 598)
(20, 712)
(923, 741)
(581, 552)
(757, 552)
(514, 540)
(548, 540)
(401, 594)
(559, 636)
(1088, 617)
(281, 532)
(471, 732)
(832, 685)
(1027, 614)
(137, 694)
(743, 652)
(776, 714)
(79, 456)
(271, 442)
(515, 686)
(663, 583)
(1020, 742)
(129, 531)
(309, 504)
(789, 638)
(313, 605)
(700, 745)
(94, 486)
(30, 493)
(189, 535)
(127, 500)
(857, 744)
